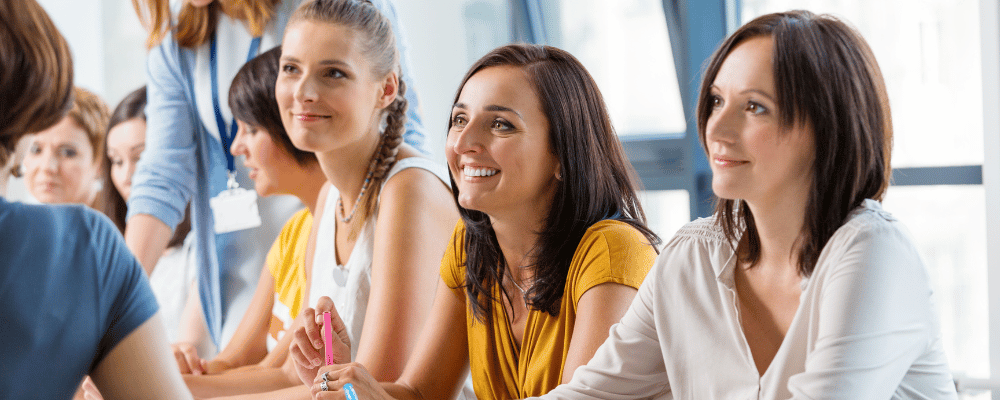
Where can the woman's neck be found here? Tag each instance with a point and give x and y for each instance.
(346, 167)
(780, 223)
(518, 237)
(308, 182)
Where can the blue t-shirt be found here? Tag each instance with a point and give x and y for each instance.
(69, 292)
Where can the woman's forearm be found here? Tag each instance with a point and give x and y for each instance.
(147, 238)
(243, 382)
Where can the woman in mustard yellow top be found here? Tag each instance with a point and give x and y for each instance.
(550, 250)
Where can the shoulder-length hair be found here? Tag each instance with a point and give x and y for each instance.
(597, 182)
(196, 25)
(113, 204)
(826, 77)
(36, 73)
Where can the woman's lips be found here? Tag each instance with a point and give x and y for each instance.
(726, 162)
(306, 117)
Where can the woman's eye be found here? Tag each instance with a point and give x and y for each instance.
(756, 108)
(67, 152)
(458, 121)
(117, 162)
(34, 149)
(288, 69)
(335, 73)
(501, 125)
(715, 101)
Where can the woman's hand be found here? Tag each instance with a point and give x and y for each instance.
(187, 359)
(337, 376)
(87, 390)
(307, 348)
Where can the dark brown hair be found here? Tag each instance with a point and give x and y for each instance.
(598, 182)
(251, 97)
(379, 47)
(36, 73)
(826, 77)
(131, 107)
(196, 25)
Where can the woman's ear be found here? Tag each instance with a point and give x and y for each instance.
(559, 172)
(389, 88)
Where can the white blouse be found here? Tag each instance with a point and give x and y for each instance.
(865, 327)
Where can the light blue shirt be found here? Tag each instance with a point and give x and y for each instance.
(183, 161)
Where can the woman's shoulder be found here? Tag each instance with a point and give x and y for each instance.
(413, 165)
(611, 251)
(869, 236)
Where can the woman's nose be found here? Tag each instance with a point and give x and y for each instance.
(723, 125)
(466, 140)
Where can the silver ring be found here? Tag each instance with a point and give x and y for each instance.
(326, 376)
(323, 386)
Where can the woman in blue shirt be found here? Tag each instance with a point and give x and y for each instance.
(73, 300)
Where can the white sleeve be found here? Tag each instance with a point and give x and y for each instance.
(875, 318)
(629, 365)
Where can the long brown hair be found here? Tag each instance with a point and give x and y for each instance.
(196, 25)
(598, 182)
(379, 47)
(113, 204)
(825, 76)
(36, 73)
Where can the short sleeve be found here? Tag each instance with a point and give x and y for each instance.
(609, 252)
(284, 245)
(125, 296)
(453, 263)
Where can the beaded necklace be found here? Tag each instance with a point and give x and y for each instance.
(357, 202)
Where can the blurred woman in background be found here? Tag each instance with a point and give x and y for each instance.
(62, 164)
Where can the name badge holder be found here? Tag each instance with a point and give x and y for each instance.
(235, 208)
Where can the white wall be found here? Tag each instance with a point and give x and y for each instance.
(107, 43)
(438, 51)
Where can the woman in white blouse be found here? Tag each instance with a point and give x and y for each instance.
(800, 286)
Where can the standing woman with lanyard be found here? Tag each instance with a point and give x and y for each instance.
(187, 156)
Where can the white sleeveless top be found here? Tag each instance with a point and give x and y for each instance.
(349, 285)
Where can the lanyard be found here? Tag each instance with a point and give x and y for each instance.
(227, 135)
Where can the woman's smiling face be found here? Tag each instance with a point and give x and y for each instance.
(326, 91)
(498, 146)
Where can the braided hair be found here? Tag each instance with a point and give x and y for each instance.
(379, 47)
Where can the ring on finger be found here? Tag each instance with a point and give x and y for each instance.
(326, 376)
(324, 387)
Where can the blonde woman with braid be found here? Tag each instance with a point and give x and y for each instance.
(385, 215)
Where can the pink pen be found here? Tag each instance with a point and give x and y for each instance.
(328, 331)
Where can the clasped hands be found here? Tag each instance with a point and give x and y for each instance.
(307, 351)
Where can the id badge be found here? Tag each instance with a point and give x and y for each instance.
(235, 209)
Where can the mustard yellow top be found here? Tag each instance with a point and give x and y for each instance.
(287, 263)
(610, 251)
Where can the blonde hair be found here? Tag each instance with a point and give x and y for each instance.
(36, 73)
(378, 47)
(196, 25)
(91, 114)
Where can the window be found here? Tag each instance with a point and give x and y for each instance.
(625, 46)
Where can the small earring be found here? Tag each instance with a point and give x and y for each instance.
(558, 175)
